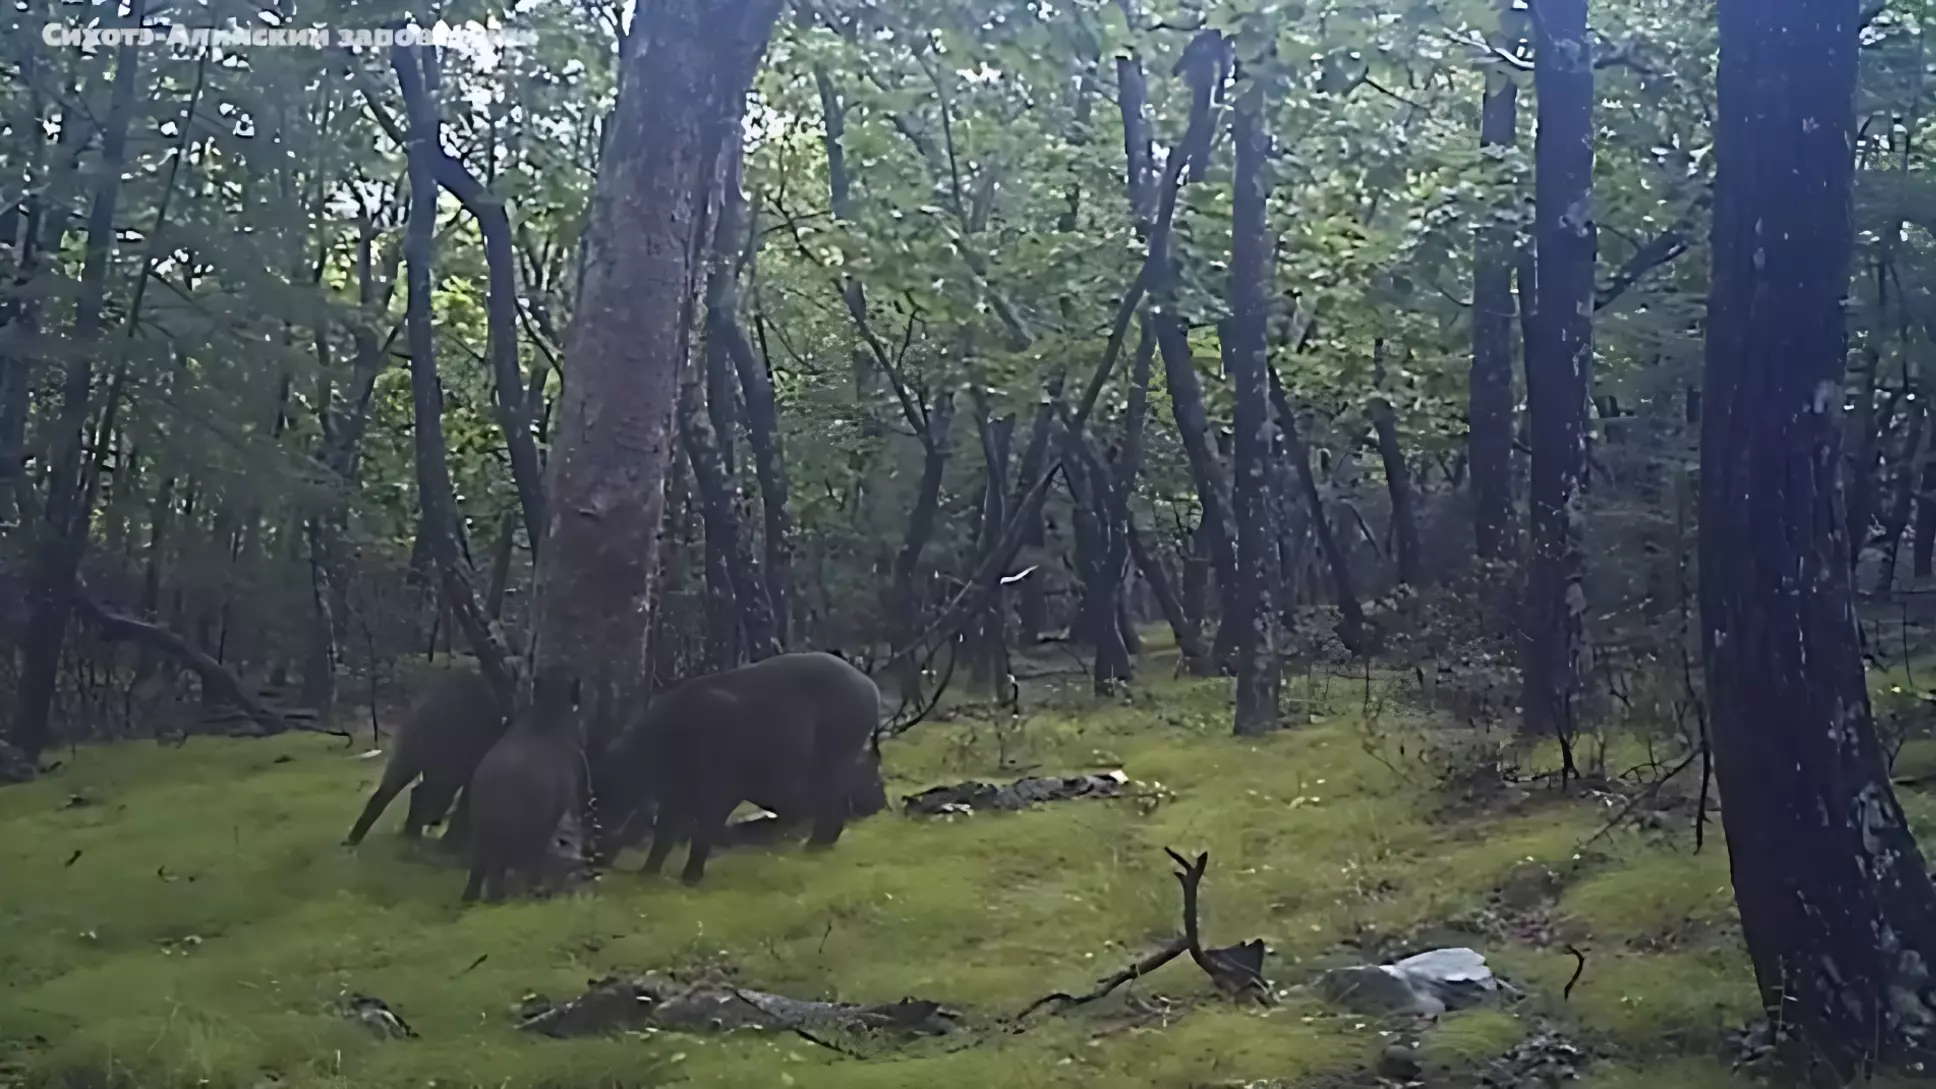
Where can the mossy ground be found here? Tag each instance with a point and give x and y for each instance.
(193, 921)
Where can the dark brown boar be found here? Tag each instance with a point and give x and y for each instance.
(790, 734)
(520, 794)
(449, 729)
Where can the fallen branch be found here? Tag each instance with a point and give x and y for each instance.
(1151, 961)
(1237, 970)
(216, 678)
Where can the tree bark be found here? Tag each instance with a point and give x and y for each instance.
(1836, 905)
(1558, 369)
(687, 69)
(1489, 403)
(1245, 347)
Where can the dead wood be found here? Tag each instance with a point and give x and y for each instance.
(1150, 962)
(1237, 970)
(217, 678)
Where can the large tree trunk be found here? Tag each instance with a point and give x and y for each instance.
(62, 541)
(1489, 403)
(1558, 363)
(687, 68)
(1245, 343)
(1836, 905)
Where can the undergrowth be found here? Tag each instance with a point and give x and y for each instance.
(184, 916)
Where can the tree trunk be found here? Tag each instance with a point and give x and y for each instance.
(909, 602)
(441, 526)
(723, 327)
(1088, 486)
(989, 663)
(732, 576)
(1902, 491)
(1398, 476)
(1836, 905)
(1245, 344)
(1353, 631)
(63, 538)
(1558, 370)
(1923, 549)
(1863, 444)
(687, 68)
(1489, 405)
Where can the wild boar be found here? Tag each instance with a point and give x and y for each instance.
(449, 729)
(521, 792)
(790, 734)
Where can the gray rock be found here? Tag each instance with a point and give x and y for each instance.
(1428, 984)
(1399, 1063)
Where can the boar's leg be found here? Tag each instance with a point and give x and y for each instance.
(666, 826)
(458, 832)
(396, 776)
(829, 812)
(430, 802)
(476, 883)
(708, 825)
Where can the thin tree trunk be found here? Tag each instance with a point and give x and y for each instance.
(1245, 354)
(1836, 904)
(731, 571)
(1353, 630)
(1558, 370)
(441, 528)
(1398, 476)
(1489, 405)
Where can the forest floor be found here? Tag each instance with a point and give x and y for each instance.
(184, 916)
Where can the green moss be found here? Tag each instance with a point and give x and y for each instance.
(194, 921)
(1469, 1038)
(1649, 1004)
(1655, 896)
(1686, 1073)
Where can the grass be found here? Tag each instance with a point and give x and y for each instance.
(184, 917)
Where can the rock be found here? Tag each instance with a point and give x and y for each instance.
(1399, 1063)
(1428, 984)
